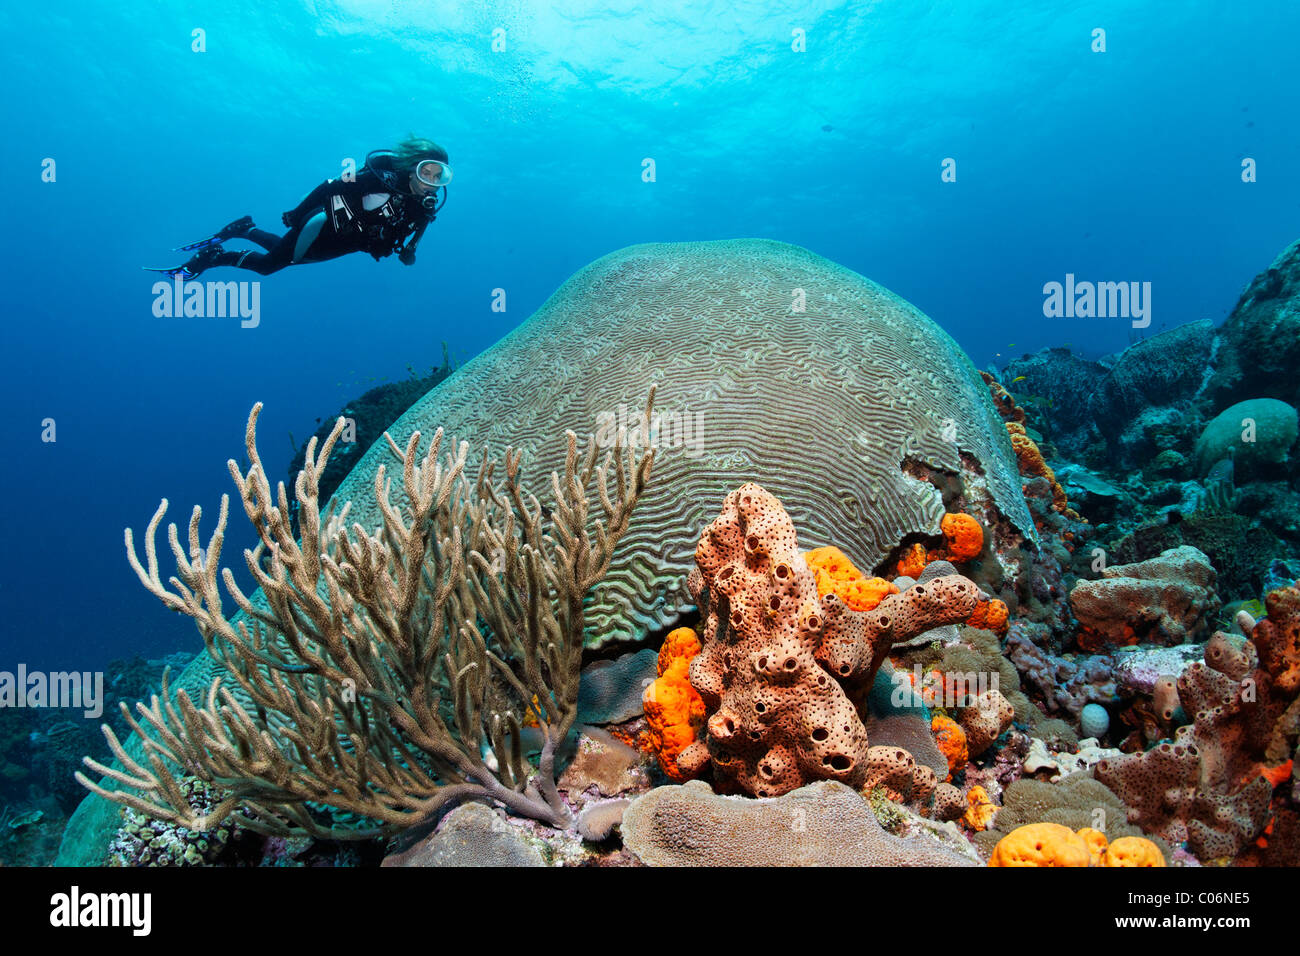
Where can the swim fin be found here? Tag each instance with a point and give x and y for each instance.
(234, 230)
(202, 260)
(175, 272)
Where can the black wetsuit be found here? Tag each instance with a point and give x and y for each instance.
(395, 223)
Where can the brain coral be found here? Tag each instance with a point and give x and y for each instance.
(825, 407)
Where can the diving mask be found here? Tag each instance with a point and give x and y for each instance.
(431, 172)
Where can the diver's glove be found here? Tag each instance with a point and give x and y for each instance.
(289, 219)
(407, 257)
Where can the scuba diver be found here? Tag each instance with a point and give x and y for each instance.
(385, 209)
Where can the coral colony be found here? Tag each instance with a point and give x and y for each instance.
(836, 608)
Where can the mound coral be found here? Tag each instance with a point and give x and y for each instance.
(1169, 599)
(1256, 434)
(777, 658)
(674, 711)
(822, 824)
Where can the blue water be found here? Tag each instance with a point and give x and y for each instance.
(1122, 165)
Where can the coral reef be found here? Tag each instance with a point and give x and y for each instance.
(977, 652)
(336, 717)
(470, 835)
(1212, 785)
(731, 361)
(775, 653)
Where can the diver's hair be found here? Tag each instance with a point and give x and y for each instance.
(413, 150)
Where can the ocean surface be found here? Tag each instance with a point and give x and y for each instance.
(130, 129)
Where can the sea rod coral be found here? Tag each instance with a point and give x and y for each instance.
(376, 666)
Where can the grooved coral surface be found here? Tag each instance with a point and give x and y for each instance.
(823, 824)
(821, 407)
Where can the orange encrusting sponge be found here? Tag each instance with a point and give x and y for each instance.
(951, 740)
(990, 616)
(836, 574)
(980, 810)
(1051, 844)
(1042, 844)
(674, 711)
(963, 537)
(963, 540)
